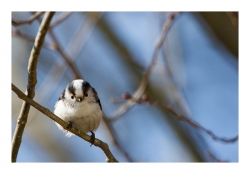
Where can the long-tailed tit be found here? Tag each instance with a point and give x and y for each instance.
(80, 106)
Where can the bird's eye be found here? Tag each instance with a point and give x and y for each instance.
(86, 94)
(72, 97)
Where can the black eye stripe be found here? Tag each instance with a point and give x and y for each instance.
(85, 87)
(71, 88)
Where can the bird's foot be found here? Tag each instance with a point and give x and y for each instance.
(69, 126)
(92, 139)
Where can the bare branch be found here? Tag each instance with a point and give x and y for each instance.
(30, 91)
(77, 132)
(194, 124)
(27, 21)
(145, 99)
(142, 87)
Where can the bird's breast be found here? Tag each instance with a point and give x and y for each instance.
(85, 116)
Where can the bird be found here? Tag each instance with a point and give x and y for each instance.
(79, 106)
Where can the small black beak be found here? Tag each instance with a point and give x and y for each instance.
(79, 99)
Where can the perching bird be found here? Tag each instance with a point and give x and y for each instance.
(79, 106)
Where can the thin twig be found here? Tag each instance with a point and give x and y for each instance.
(145, 99)
(30, 91)
(27, 21)
(142, 87)
(195, 125)
(76, 131)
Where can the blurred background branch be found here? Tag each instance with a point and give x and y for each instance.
(146, 99)
(144, 82)
(27, 21)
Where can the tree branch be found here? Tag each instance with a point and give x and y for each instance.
(144, 82)
(26, 21)
(145, 99)
(194, 124)
(77, 132)
(30, 91)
